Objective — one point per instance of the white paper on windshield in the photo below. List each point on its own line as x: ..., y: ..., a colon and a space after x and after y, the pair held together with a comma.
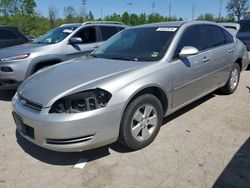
x: 167, y: 29
x: 67, y: 31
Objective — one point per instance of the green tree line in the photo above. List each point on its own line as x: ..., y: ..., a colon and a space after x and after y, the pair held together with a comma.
x: 23, y: 14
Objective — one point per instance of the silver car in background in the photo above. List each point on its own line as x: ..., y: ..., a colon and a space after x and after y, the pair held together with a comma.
x: 60, y: 44
x: 123, y: 90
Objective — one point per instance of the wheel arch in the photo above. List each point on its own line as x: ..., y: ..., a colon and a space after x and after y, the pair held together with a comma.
x: 239, y: 61
x: 157, y: 91
x: 36, y: 65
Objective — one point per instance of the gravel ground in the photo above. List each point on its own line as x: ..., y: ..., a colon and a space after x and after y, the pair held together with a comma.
x: 206, y: 144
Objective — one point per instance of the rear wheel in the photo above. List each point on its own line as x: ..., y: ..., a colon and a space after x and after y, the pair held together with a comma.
x: 233, y: 80
x: 141, y: 122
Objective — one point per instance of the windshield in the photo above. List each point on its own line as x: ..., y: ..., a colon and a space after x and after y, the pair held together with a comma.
x: 55, y: 35
x: 138, y: 44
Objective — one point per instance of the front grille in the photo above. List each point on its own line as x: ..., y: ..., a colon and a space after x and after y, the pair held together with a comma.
x: 30, y: 104
x: 69, y: 141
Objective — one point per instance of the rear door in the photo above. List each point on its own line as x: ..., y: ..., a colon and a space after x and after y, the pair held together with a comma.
x: 108, y: 31
x: 220, y: 45
x: 189, y: 73
x: 90, y: 41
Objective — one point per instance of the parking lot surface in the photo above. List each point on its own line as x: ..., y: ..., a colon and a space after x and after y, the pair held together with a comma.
x: 206, y: 144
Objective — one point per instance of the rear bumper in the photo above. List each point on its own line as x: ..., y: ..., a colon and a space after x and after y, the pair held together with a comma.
x: 69, y: 133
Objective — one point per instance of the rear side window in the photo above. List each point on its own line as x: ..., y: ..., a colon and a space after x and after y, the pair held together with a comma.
x: 192, y: 36
x: 108, y: 31
x: 228, y: 36
x: 7, y: 34
x: 213, y: 36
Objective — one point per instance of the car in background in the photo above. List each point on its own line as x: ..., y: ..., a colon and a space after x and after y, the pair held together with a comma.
x: 11, y: 36
x: 63, y: 43
x: 123, y: 89
x: 244, y: 32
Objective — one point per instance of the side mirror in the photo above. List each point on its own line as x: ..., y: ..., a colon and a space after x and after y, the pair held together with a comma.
x: 188, y: 51
x: 75, y: 40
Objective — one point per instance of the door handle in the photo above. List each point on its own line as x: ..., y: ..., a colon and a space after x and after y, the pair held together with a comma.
x: 205, y: 60
x: 96, y: 46
x: 230, y: 51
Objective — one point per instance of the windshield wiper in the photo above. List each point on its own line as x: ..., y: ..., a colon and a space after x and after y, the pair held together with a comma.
x: 124, y: 58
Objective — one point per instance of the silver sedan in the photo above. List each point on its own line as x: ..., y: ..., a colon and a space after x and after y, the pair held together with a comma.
x: 123, y: 90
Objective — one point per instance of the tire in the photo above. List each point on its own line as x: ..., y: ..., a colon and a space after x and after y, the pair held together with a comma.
x: 233, y: 81
x: 141, y: 122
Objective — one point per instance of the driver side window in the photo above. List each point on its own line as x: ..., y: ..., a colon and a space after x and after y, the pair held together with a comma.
x: 88, y: 35
x: 192, y: 36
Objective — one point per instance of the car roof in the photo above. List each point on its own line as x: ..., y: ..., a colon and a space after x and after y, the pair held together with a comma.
x: 107, y: 23
x: 175, y: 24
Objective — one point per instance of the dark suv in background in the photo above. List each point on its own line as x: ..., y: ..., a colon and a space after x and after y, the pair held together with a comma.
x: 11, y: 36
x: 244, y: 32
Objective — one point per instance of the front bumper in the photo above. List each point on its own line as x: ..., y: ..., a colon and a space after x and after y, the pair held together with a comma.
x: 69, y: 132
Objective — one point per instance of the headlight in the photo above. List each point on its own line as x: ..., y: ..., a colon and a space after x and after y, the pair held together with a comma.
x: 81, y: 102
x: 18, y: 57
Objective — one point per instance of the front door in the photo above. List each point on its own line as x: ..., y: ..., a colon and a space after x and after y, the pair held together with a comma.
x: 90, y: 41
x: 189, y: 73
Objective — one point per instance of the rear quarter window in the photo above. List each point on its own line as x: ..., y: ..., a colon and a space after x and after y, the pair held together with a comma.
x: 108, y: 31
x: 228, y: 36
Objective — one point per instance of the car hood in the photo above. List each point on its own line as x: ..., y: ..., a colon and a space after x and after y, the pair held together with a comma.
x: 21, y: 49
x: 73, y: 76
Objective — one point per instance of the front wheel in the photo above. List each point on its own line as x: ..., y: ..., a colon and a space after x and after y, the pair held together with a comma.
x: 233, y: 80
x: 141, y: 122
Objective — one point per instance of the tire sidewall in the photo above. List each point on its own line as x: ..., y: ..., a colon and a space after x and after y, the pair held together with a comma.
x: 126, y: 136
x: 235, y: 66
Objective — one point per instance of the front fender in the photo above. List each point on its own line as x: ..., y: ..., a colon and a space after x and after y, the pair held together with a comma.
x: 35, y: 61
